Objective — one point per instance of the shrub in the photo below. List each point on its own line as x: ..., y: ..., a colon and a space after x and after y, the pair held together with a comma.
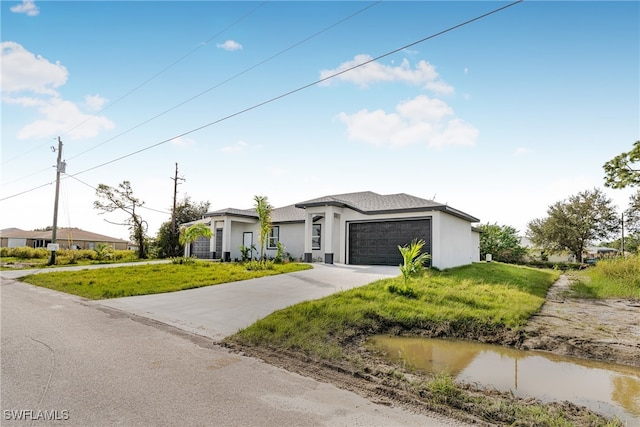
x: 184, y: 260
x: 256, y: 265
x: 280, y: 253
x: 25, y: 252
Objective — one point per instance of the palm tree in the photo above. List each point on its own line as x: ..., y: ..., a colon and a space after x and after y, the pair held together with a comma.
x: 192, y: 233
x: 413, y: 259
x: 263, y: 209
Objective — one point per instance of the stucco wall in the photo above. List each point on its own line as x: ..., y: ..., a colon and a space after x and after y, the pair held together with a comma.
x: 456, y: 243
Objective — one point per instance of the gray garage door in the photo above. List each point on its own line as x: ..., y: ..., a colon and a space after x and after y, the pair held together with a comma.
x: 376, y: 243
x: 201, y: 248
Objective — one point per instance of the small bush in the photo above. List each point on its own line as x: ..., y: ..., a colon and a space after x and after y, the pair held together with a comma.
x: 260, y: 265
x: 25, y: 252
x: 184, y: 260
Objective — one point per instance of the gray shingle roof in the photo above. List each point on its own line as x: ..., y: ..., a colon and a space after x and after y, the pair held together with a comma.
x: 366, y: 202
x: 285, y: 214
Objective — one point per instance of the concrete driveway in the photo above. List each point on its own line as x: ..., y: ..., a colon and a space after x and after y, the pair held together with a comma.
x: 221, y: 310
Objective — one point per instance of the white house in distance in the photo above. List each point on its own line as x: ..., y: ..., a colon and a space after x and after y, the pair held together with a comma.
x: 363, y: 228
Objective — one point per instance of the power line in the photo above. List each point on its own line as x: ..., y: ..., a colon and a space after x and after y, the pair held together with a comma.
x: 301, y: 88
x: 111, y: 104
x: 291, y: 92
x: 227, y: 80
x: 94, y: 188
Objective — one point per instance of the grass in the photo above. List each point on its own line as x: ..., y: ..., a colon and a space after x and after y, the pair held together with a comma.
x: 466, y: 299
x: 150, y: 279
x: 478, y: 298
x: 612, y: 278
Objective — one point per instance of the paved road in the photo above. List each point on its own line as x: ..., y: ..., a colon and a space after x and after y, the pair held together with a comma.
x: 91, y: 365
x: 219, y: 311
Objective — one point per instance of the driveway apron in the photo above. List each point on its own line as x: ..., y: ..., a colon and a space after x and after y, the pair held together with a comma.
x: 221, y: 310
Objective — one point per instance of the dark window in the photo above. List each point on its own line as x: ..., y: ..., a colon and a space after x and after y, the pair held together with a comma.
x: 315, y: 236
x: 274, y: 237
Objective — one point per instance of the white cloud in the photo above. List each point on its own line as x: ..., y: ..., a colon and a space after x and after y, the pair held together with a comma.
x: 27, y: 7
x: 37, y: 80
x: 238, y: 147
x: 59, y: 116
x: 424, y: 74
x: 23, y: 71
x: 94, y: 102
x: 420, y: 120
x: 230, y: 45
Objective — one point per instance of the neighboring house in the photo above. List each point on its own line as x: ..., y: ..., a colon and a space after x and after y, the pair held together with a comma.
x: 599, y: 252
x: 67, y: 238
x: 362, y: 228
x: 535, y: 253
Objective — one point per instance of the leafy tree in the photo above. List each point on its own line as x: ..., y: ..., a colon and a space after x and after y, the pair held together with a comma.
x: 632, y: 214
x: 574, y: 223
x: 192, y: 233
x: 624, y: 169
x: 122, y: 198
x: 167, y: 241
x: 263, y: 209
x: 502, y: 242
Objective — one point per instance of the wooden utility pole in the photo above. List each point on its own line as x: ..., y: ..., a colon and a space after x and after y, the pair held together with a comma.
x: 175, y: 179
x: 60, y: 168
x: 622, y: 241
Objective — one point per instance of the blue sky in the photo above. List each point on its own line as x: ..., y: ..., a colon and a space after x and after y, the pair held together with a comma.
x: 499, y: 118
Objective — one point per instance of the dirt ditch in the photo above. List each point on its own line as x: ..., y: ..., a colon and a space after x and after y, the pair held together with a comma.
x: 606, y: 330
x: 603, y: 330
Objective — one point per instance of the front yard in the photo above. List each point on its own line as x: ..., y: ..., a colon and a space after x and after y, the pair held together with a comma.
x: 151, y: 279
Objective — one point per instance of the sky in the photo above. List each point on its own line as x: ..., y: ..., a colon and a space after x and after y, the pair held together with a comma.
x: 500, y: 117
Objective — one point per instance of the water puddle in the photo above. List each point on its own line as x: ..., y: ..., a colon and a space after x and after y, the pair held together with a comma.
x: 609, y: 389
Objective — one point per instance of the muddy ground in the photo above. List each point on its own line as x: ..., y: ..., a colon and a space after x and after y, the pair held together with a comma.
x: 607, y: 330
x: 604, y: 330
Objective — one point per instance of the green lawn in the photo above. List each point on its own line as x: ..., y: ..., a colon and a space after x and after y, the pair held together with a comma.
x: 487, y: 296
x: 151, y: 279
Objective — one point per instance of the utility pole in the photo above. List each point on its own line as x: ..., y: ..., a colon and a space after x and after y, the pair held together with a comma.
x: 175, y: 179
x: 60, y: 168
x: 622, y: 241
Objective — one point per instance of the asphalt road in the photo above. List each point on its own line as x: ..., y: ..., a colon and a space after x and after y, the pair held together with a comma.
x: 83, y: 364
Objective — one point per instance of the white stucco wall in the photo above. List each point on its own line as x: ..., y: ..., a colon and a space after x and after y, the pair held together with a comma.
x: 455, y: 241
x: 475, y: 246
x: 452, y: 242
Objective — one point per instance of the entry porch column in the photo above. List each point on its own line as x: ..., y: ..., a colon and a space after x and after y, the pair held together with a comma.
x: 308, y: 228
x: 226, y: 240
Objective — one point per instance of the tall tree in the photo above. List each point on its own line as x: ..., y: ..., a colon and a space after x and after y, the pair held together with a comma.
x: 632, y: 214
x: 121, y: 198
x: 263, y: 209
x: 624, y: 169
x: 167, y: 242
x: 574, y: 223
x: 502, y: 242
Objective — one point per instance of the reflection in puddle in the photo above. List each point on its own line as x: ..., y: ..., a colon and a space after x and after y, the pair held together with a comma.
x: 613, y: 390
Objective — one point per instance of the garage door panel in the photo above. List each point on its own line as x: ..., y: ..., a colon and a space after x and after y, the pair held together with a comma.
x: 376, y: 242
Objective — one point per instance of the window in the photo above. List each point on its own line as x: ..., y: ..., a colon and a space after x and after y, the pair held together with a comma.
x: 274, y: 237
x: 315, y: 236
